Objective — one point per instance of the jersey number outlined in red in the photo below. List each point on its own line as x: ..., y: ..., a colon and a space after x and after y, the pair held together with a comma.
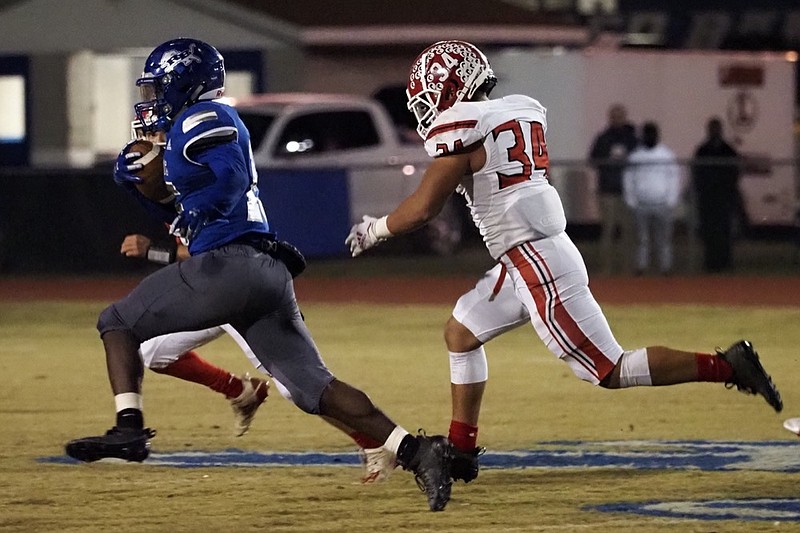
x: 519, y: 151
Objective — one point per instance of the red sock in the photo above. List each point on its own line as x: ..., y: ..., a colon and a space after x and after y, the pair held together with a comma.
x: 463, y: 436
x: 363, y: 441
x: 192, y: 367
x: 713, y: 368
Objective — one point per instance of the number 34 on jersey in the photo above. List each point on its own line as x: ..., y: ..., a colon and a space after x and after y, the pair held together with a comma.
x: 515, y: 146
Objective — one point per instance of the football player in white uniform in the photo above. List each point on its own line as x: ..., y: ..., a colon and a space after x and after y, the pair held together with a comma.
x: 494, y: 152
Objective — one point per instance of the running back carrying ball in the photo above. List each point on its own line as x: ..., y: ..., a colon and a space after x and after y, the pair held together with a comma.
x: 152, y: 171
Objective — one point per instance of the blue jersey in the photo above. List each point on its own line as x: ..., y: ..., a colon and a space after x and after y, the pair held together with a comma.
x: 209, y: 163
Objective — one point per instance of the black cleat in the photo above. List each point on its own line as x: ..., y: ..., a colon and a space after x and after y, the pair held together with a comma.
x: 748, y: 374
x: 127, y: 444
x: 465, y: 464
x: 431, y: 467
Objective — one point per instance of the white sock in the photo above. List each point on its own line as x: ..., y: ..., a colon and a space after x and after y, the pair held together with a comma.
x: 395, y: 438
x: 128, y: 400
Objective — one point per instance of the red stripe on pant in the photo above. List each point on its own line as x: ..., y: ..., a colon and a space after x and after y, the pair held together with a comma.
x: 545, y: 294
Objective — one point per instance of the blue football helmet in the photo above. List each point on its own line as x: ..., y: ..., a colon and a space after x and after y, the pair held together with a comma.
x: 176, y: 74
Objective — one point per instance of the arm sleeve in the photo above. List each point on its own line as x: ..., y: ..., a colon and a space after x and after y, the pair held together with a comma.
x: 227, y: 162
x: 212, y: 141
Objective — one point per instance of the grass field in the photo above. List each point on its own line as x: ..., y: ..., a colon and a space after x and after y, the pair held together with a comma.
x: 55, y: 388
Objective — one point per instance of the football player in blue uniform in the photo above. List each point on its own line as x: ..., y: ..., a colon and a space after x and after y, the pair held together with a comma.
x: 238, y: 273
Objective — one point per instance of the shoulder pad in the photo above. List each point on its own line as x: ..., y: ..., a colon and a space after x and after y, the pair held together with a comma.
x: 202, y: 117
x: 525, y: 100
x: 206, y: 124
x: 453, y: 130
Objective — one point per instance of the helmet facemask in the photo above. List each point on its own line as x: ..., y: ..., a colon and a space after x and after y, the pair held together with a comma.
x: 138, y: 134
x: 424, y: 105
x: 153, y: 111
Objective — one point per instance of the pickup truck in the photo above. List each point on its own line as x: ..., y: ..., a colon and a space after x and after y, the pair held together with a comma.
x: 308, y: 131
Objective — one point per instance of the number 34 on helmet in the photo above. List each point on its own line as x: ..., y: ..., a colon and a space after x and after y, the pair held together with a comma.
x: 444, y: 74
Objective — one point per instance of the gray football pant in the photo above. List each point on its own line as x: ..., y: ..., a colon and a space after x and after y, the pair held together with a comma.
x: 238, y: 285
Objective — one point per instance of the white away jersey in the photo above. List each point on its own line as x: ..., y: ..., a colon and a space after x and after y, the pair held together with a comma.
x: 510, y: 198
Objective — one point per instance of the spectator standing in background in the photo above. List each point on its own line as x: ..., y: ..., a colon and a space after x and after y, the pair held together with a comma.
x: 609, y: 151
x: 715, y: 176
x: 652, y: 185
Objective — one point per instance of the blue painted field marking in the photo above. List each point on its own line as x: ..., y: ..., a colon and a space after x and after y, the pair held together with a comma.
x: 767, y: 509
x: 776, y: 456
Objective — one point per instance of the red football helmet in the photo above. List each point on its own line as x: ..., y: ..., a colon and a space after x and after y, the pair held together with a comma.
x: 444, y: 74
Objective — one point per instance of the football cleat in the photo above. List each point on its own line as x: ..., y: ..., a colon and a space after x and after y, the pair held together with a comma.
x: 254, y: 393
x: 118, y: 443
x: 465, y: 465
x: 793, y: 425
x: 431, y: 467
x: 378, y: 464
x: 748, y: 374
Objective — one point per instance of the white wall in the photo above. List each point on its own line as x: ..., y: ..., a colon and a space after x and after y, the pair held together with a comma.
x: 112, y: 98
x: 12, y: 108
x: 238, y: 84
x: 680, y: 92
x: 80, y: 100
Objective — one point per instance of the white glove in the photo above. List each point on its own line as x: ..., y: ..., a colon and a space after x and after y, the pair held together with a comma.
x: 366, y: 234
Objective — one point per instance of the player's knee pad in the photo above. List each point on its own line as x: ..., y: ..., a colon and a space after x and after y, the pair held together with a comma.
x: 634, y: 369
x: 469, y: 367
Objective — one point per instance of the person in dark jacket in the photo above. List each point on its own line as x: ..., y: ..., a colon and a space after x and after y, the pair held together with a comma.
x: 609, y: 151
x: 715, y: 176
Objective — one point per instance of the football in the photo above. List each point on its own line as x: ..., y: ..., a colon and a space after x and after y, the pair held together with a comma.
x: 152, y: 172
